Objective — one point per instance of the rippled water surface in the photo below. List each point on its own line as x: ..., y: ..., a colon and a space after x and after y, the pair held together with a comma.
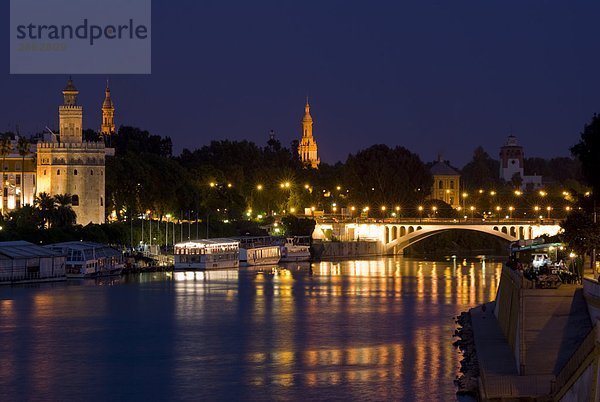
x: 354, y: 330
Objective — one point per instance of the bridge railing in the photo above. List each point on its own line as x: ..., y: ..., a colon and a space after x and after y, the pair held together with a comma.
x: 433, y: 221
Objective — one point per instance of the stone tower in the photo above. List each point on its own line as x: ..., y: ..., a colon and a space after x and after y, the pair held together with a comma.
x: 70, y: 115
x: 108, y: 114
x: 72, y: 166
x: 307, y: 149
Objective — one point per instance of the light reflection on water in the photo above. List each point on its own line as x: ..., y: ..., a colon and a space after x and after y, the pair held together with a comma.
x: 369, y: 330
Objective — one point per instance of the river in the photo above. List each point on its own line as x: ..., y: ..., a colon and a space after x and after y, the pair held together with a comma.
x: 377, y: 329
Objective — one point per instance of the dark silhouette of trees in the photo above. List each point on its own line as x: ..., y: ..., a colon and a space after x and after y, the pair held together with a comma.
x: 481, y: 172
x: 380, y: 175
x: 587, y: 151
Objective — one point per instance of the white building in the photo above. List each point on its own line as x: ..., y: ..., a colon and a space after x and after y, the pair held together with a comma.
x: 511, y: 164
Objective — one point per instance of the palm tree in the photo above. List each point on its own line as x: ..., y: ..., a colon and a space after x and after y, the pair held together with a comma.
x: 23, y: 149
x: 5, y: 148
x: 45, y: 206
x: 65, y: 216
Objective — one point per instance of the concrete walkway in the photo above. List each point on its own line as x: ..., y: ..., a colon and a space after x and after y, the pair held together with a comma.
x: 499, y: 377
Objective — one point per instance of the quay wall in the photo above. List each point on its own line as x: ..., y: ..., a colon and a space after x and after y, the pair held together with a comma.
x: 507, y: 309
x: 346, y: 249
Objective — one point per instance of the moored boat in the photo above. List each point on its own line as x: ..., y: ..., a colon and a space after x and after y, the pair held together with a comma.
x: 207, y: 254
x: 296, y: 249
x: 259, y: 251
x: 89, y: 260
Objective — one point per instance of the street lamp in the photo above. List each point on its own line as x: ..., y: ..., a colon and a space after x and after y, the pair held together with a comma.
x: 472, y: 208
x: 548, y: 209
x: 464, y: 197
x: 511, y: 209
x: 420, y: 213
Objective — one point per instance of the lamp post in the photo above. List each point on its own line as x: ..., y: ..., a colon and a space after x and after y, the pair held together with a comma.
x: 420, y: 213
x: 511, y: 209
x: 167, y: 217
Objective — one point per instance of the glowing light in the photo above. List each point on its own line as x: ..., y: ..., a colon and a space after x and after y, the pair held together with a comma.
x: 492, y: 193
x: 397, y: 208
x: 420, y: 208
x: 292, y: 210
x: 259, y: 187
x: 212, y: 184
x: 518, y: 193
x: 383, y: 208
x: 542, y: 193
x: 338, y: 188
x: 229, y: 185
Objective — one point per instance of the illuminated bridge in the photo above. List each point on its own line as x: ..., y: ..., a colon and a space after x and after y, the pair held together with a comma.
x: 397, y: 234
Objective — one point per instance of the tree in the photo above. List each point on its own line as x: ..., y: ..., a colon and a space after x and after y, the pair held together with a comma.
x: 64, y: 214
x: 380, y: 175
x: 587, y: 151
x: 581, y: 233
x: 516, y: 180
x: 44, y: 204
x: 482, y: 171
x: 24, y: 150
x: 5, y: 149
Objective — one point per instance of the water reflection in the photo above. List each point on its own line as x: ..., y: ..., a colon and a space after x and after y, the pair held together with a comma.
x: 365, y: 329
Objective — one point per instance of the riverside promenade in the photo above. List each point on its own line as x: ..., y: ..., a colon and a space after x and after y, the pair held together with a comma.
x: 537, y: 344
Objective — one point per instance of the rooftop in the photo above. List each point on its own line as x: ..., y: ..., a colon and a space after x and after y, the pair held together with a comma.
x: 24, y: 249
x: 441, y: 168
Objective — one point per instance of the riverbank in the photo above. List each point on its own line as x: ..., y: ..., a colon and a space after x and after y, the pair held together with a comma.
x: 531, y: 343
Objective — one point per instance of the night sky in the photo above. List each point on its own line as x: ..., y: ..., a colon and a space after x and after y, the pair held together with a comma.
x: 435, y: 77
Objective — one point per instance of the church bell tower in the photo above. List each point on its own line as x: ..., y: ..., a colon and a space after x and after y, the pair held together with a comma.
x: 307, y: 149
x: 108, y: 114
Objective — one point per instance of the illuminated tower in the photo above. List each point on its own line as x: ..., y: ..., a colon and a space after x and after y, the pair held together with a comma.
x: 108, y: 114
x: 73, y: 166
x: 70, y: 115
x: 307, y: 149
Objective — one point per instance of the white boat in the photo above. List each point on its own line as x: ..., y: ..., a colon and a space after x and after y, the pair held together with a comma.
x: 89, y: 260
x: 258, y: 251
x: 295, y: 249
x: 207, y: 254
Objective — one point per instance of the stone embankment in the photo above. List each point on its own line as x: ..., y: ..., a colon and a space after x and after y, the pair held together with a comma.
x: 467, y: 382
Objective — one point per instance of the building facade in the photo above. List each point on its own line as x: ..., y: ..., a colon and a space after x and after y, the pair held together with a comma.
x: 19, y: 177
x: 307, y: 149
x: 446, y: 184
x: 69, y: 165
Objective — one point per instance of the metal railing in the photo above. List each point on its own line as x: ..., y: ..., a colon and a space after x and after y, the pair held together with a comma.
x: 420, y: 220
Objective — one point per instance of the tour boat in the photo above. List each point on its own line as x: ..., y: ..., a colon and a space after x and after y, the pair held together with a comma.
x: 296, y: 249
x: 258, y: 251
x: 207, y: 254
x: 89, y: 260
